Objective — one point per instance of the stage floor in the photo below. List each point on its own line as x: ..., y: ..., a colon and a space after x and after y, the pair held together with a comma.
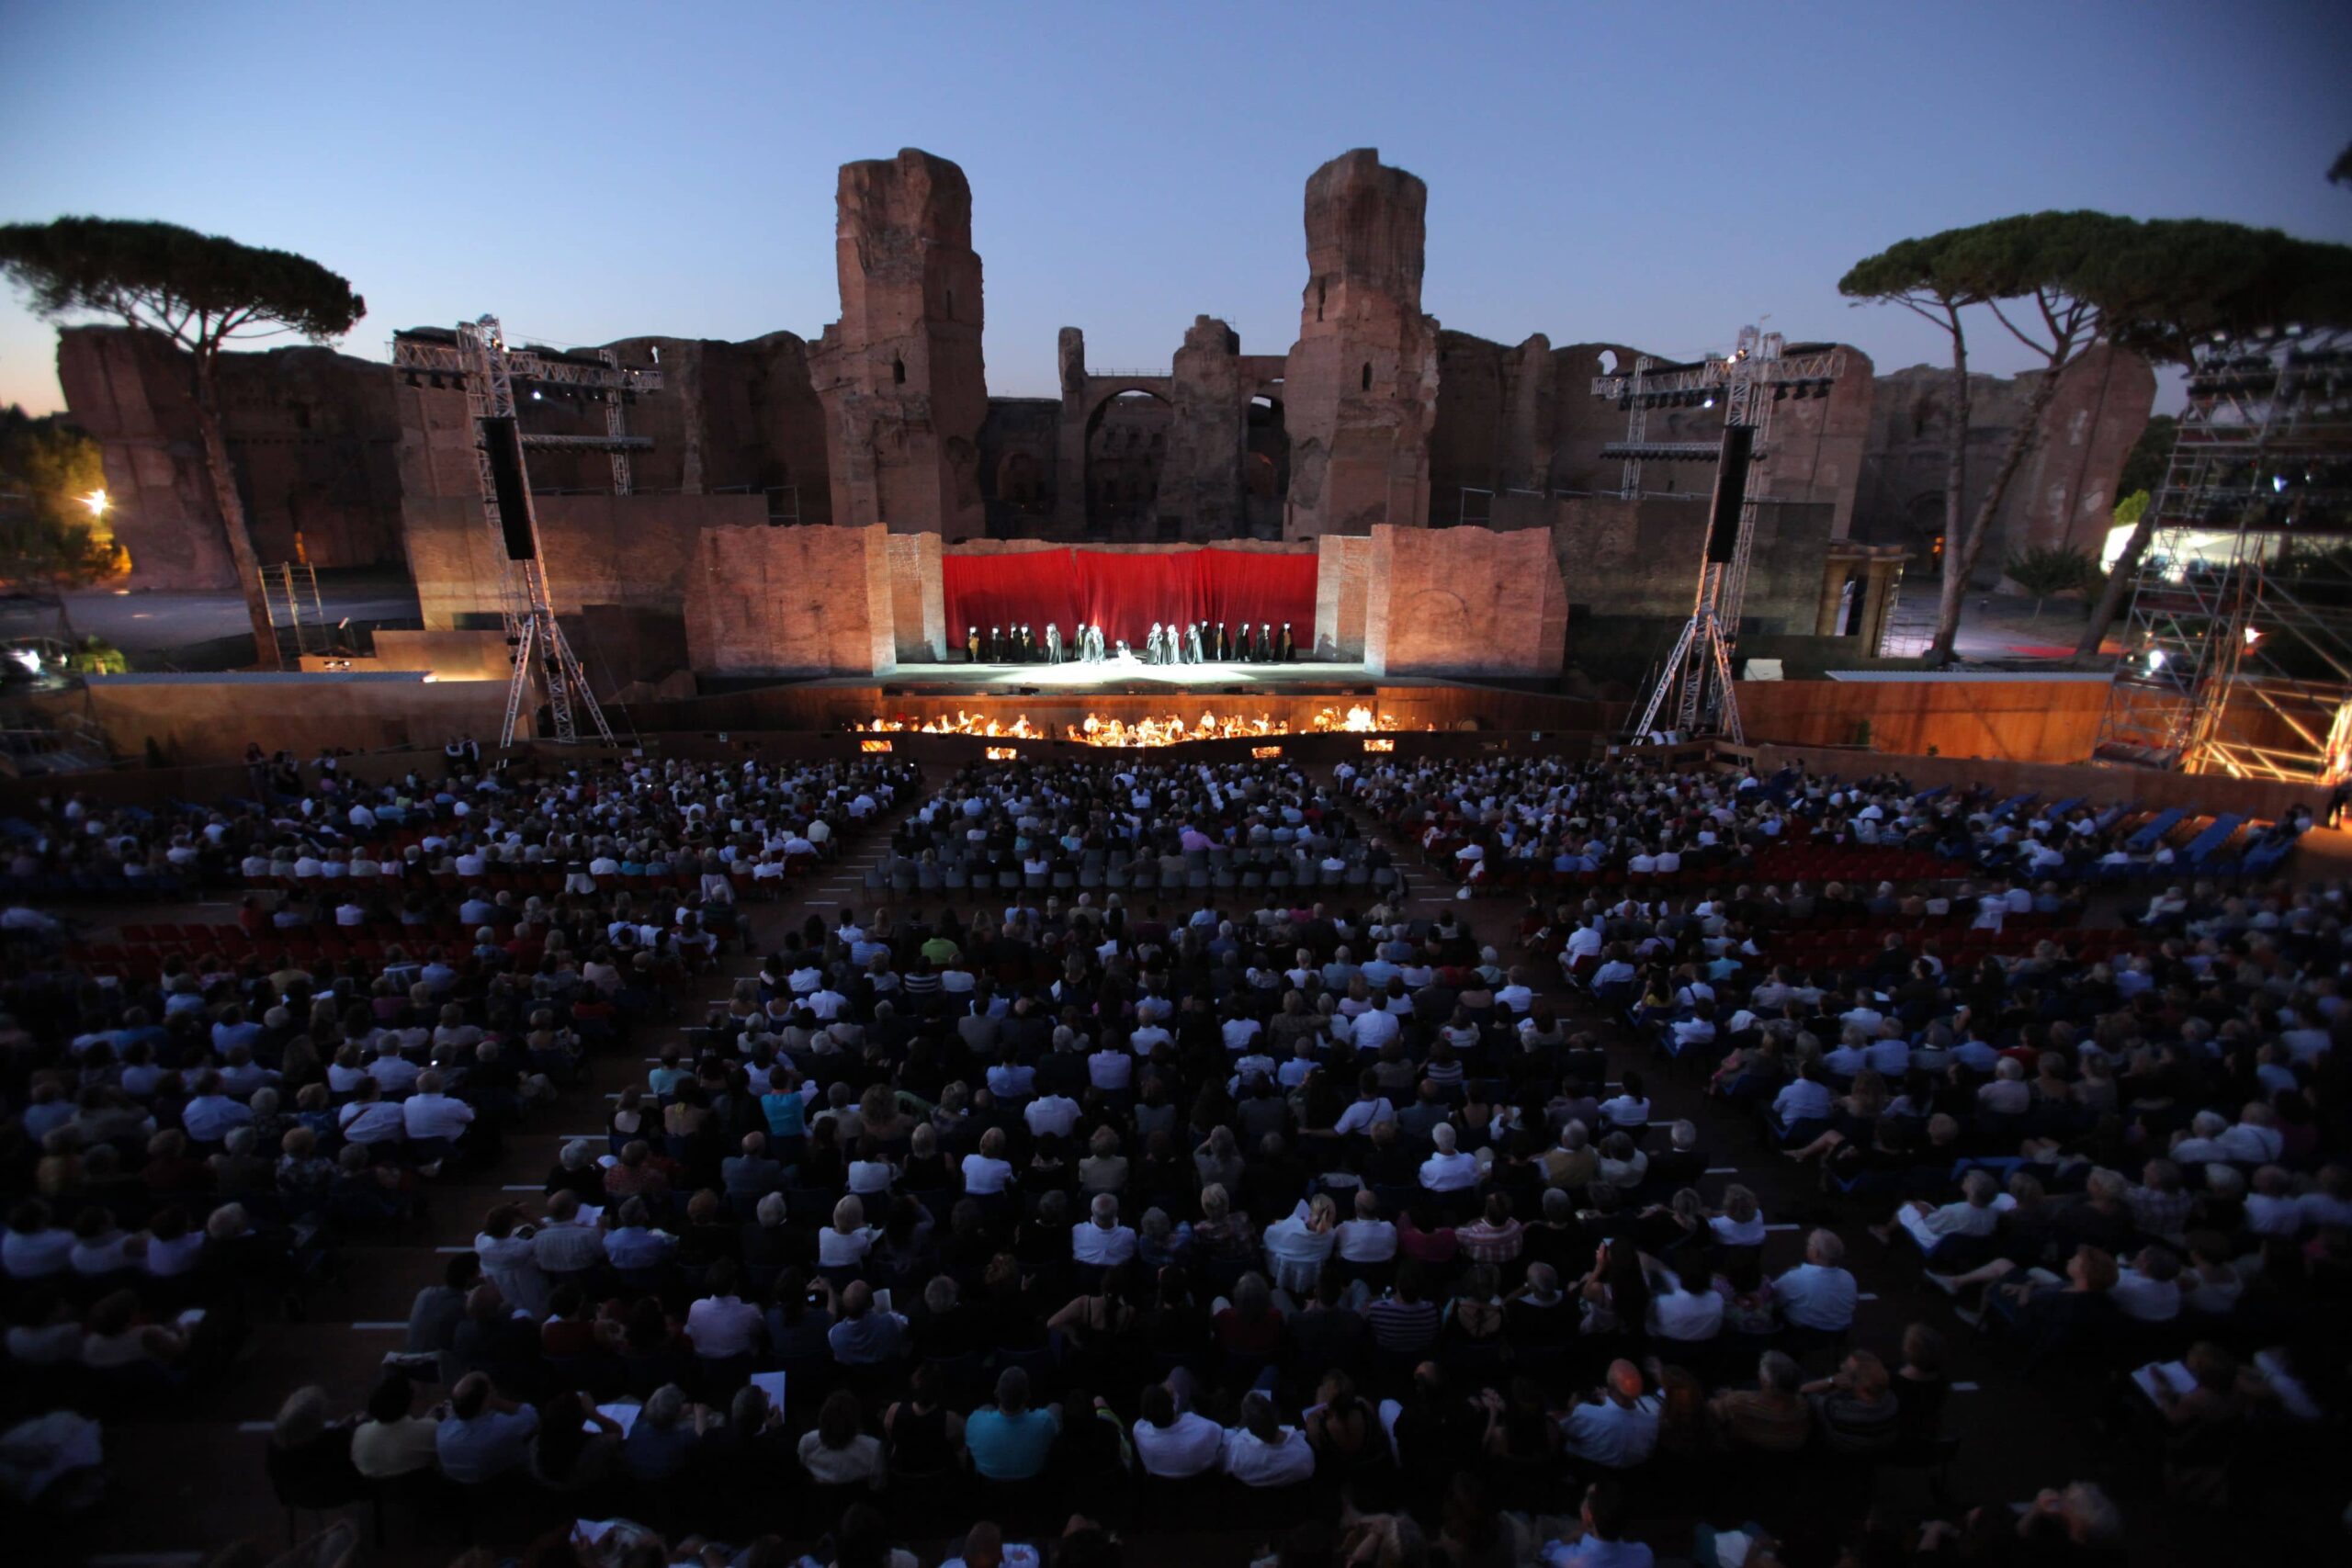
x: 996, y: 680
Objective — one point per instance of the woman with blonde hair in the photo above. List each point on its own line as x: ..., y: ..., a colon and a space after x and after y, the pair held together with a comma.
x: 1104, y: 1168
x: 845, y: 1242
x: 1299, y: 1245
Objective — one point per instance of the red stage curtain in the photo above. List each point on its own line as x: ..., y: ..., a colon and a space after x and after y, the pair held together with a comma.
x: 1126, y: 593
x: 1234, y: 586
x: 1031, y: 587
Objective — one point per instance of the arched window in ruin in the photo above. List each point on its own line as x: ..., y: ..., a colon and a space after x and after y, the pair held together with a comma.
x: 898, y: 371
x: 951, y: 304
x: 1322, y: 288
x: 1367, y: 375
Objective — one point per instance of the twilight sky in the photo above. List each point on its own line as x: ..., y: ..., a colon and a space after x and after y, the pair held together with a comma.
x: 1655, y: 173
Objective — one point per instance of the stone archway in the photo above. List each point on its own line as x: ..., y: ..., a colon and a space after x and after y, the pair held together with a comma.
x: 1265, y: 464
x: 1127, y: 445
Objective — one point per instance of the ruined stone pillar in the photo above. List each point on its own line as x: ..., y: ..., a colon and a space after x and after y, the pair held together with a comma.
x: 1208, y: 432
x: 1527, y: 416
x: 1070, y: 435
x: 900, y: 374
x: 1360, y: 390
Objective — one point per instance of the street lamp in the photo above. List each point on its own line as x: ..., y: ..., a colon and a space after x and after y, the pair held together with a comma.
x: 98, y: 501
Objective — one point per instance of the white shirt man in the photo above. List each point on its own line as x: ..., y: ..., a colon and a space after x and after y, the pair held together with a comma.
x: 1374, y: 1029
x: 429, y: 1113
x: 1253, y: 1462
x: 722, y: 1327
x: 1055, y: 1113
x: 1110, y: 1069
x: 984, y: 1175
x: 1362, y: 1113
x: 1801, y: 1100
x: 1449, y: 1169
x: 1191, y: 1445
x: 209, y: 1118
x: 373, y: 1122
x: 1686, y: 1315
x: 567, y: 1246
x: 1102, y: 1240
x: 1817, y: 1293
x: 1367, y: 1238
x: 1625, y: 1111
x: 1615, y: 1433
x: 2251, y: 1144
x: 394, y: 1073
x: 2142, y: 1296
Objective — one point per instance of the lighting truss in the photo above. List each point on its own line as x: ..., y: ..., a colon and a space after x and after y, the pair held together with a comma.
x: 1696, y: 678
x: 2237, y: 648
x: 475, y: 359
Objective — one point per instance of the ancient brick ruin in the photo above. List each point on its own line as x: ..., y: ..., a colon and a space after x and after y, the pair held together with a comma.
x: 1375, y: 418
x: 899, y: 374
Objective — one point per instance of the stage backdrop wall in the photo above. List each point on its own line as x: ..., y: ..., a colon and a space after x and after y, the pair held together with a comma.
x: 1125, y: 593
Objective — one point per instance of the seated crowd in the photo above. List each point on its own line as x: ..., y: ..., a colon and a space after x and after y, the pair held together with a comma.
x: 1314, y: 1211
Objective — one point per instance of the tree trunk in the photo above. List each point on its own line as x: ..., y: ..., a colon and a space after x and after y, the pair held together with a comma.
x: 233, y: 515
x: 1955, y: 480
x: 2119, y: 581
x: 1961, y: 569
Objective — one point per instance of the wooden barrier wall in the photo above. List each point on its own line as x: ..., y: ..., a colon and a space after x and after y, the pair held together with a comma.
x: 2017, y: 721
x: 2141, y: 788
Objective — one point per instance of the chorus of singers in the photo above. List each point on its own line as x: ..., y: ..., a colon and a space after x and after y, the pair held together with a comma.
x: 1199, y: 643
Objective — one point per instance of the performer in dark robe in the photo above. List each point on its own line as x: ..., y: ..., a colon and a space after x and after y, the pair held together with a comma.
x: 1224, y: 647
x: 972, y: 645
x: 996, y: 645
x: 1094, y: 639
x: 1193, y: 642
x: 1053, y: 643
x: 1247, y: 653
x: 1289, y: 646
x: 1266, y: 643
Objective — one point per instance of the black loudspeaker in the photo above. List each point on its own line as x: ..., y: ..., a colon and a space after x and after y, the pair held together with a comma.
x: 1731, y: 484
x: 503, y: 442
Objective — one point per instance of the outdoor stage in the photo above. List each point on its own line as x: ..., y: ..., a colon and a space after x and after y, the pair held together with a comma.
x: 1134, y: 676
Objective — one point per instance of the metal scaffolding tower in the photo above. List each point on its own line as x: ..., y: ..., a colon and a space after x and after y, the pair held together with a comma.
x: 1696, y: 680
x: 2237, y: 648
x: 476, y: 359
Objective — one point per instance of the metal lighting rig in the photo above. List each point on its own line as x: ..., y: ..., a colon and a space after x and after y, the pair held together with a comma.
x: 2237, y: 648
x: 476, y: 360
x: 1697, y: 676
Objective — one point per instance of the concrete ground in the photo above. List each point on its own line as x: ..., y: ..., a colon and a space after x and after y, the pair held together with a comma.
x: 212, y: 630
x: 1992, y: 625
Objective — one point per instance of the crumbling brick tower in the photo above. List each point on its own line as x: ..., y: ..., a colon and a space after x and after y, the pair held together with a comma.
x: 1360, y: 393
x: 900, y: 374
